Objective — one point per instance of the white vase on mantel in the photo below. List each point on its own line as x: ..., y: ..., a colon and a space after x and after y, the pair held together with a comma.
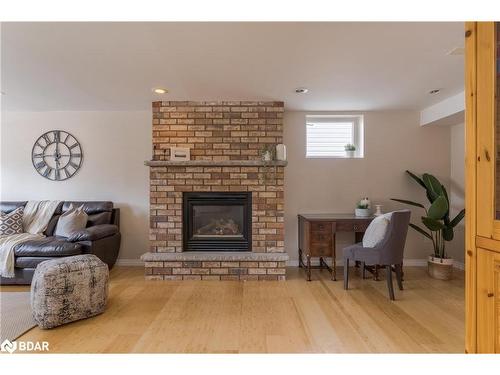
x: 267, y: 156
x: 281, y: 152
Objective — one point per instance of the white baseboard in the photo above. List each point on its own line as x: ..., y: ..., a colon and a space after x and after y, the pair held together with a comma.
x: 295, y: 263
x: 130, y: 262
x: 406, y: 262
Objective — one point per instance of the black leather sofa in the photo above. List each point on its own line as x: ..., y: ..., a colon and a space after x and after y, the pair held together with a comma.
x: 101, y: 237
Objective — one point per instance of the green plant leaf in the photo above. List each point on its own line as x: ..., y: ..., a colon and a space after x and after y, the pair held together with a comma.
x: 416, y: 178
x: 448, y: 233
x: 420, y: 230
x: 457, y: 219
x: 438, y: 208
x: 408, y: 202
x: 432, y: 224
x: 446, y: 217
x: 432, y: 185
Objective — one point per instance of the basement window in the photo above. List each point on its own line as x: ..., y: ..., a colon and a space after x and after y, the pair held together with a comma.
x: 327, y: 136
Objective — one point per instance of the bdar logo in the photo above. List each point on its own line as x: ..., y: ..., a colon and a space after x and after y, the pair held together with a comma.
x: 8, y: 346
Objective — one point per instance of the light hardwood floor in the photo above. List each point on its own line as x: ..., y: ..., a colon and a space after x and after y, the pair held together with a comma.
x: 292, y: 316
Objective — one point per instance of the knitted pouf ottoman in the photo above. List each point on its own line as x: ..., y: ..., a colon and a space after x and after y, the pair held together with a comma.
x: 68, y: 289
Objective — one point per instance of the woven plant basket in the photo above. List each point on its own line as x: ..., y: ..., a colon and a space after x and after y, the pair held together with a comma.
x: 440, y: 269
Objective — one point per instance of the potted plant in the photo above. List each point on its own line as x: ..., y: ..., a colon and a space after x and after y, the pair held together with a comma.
x: 350, y: 150
x: 437, y: 223
x: 363, y: 208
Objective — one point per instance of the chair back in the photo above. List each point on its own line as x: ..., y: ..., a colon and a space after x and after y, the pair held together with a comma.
x: 393, y: 244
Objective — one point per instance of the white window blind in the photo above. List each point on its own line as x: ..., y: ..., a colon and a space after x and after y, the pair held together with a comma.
x: 327, y: 136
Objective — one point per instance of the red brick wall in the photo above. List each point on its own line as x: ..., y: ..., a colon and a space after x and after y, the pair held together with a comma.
x: 216, y: 131
x: 225, y: 130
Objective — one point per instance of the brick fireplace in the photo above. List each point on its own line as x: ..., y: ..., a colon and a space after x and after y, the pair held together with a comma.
x: 225, y: 139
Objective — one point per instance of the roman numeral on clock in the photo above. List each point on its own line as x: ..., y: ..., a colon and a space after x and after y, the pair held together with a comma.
x: 46, y: 138
x: 40, y: 165
x: 47, y: 172
x: 73, y: 165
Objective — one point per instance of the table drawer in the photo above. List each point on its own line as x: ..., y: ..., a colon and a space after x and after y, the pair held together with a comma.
x: 321, y: 237
x: 320, y: 226
x: 352, y: 226
x: 321, y: 249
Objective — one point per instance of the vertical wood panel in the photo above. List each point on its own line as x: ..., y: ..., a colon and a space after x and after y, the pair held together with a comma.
x: 487, y: 293
x: 470, y: 187
x: 485, y: 128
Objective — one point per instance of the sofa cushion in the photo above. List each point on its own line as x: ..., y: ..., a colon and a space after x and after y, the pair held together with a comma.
x: 7, y: 207
x: 99, y: 219
x: 90, y: 208
x: 47, y: 247
x: 30, y: 262
x: 94, y: 233
x: 51, y: 226
x: 71, y: 221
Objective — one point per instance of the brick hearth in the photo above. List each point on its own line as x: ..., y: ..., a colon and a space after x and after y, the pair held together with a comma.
x: 225, y: 139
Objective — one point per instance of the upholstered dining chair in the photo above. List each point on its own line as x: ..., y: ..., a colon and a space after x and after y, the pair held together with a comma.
x: 388, y: 253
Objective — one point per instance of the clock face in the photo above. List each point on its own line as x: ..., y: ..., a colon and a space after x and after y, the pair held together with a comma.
x: 57, y: 155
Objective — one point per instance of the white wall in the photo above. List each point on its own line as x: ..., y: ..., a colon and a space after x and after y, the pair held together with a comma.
x: 456, y: 249
x: 394, y: 142
x: 115, y: 146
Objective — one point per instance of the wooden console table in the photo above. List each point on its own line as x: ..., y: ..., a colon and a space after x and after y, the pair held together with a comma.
x: 317, y: 237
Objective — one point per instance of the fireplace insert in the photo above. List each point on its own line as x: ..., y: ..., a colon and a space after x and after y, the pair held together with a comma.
x: 217, y: 221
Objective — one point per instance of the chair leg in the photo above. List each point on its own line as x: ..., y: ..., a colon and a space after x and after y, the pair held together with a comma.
x: 389, y: 282
x: 346, y: 274
x: 308, y: 267
x: 363, y: 270
x: 399, y: 275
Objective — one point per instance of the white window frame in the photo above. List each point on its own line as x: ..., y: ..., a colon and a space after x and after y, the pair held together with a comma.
x: 357, y: 128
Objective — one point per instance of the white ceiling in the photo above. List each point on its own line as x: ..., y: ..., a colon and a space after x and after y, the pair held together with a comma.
x: 114, y: 66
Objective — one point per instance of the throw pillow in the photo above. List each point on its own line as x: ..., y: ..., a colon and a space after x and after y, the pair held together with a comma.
x: 375, y: 232
x: 71, y: 221
x: 11, y: 223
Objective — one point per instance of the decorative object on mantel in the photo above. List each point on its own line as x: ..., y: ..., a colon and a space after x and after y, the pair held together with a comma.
x: 57, y: 155
x: 214, y: 163
x: 268, y: 152
x: 363, y: 208
x: 180, y: 153
x: 437, y: 221
x: 378, y: 210
x: 281, y: 152
x: 350, y: 150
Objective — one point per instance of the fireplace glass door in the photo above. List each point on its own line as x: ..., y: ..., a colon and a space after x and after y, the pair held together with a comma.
x: 220, y: 221
x: 217, y: 221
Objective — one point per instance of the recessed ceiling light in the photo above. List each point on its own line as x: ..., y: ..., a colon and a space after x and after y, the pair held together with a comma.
x: 301, y: 90
x: 434, y: 92
x: 160, y: 90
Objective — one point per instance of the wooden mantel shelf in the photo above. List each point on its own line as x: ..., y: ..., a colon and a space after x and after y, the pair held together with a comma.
x: 215, y: 163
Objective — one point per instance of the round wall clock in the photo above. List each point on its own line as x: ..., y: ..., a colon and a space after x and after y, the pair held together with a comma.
x: 57, y: 155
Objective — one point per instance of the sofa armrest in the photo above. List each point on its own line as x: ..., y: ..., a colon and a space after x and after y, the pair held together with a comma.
x: 93, y: 233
